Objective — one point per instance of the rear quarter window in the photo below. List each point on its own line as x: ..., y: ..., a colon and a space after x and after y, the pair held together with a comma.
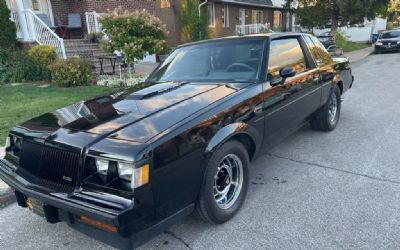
x: 318, y: 51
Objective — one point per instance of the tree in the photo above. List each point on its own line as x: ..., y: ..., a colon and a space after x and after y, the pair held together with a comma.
x: 8, y: 37
x: 134, y: 34
x: 394, y: 13
x: 314, y: 13
x: 194, y: 28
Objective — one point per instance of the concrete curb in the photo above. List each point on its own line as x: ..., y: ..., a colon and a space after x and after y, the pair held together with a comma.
x: 359, y: 55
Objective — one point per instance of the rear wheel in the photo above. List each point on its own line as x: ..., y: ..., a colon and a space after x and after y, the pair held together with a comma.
x: 328, y: 116
x: 225, y: 184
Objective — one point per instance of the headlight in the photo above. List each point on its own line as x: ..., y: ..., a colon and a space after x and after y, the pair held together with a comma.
x: 13, y: 145
x: 102, y: 166
x: 8, y: 142
x: 126, y: 171
x: 379, y: 43
x: 398, y: 42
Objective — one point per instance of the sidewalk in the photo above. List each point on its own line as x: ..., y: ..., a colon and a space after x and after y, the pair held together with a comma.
x: 359, y: 55
x: 6, y: 193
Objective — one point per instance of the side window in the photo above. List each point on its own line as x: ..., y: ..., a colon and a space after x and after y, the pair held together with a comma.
x: 320, y: 54
x: 285, y: 53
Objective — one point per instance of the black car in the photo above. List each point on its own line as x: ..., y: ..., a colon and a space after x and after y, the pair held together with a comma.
x: 125, y: 166
x: 388, y: 41
x: 327, y: 40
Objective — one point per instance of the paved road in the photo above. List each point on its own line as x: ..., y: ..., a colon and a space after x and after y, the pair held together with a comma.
x: 314, y: 191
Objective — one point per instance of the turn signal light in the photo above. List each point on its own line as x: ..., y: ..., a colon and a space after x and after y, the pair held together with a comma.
x: 140, y: 176
x: 99, y: 224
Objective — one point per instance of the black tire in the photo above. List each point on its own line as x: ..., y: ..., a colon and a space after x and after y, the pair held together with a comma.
x: 207, y: 208
x: 323, y: 120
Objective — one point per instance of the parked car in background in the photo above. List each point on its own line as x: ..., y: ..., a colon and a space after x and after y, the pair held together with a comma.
x: 124, y: 167
x: 388, y: 41
x: 327, y: 40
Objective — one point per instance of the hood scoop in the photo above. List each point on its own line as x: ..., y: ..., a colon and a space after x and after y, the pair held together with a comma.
x: 155, y: 90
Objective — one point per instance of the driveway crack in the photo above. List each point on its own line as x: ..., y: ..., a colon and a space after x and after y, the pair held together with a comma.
x: 173, y: 235
x: 334, y: 169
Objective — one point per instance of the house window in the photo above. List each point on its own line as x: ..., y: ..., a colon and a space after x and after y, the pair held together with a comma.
x: 211, y: 15
x: 277, y: 20
x: 257, y: 16
x: 35, y: 5
x: 225, y: 16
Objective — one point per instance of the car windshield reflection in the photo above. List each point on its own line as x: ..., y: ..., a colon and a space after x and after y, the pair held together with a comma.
x: 235, y: 60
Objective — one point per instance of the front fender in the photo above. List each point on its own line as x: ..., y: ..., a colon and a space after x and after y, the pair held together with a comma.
x: 231, y: 130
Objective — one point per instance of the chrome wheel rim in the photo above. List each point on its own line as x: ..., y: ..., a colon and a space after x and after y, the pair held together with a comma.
x: 333, y: 107
x: 228, y: 181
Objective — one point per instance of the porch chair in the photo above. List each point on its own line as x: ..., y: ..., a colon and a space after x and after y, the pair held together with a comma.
x: 75, y: 24
x: 45, y: 18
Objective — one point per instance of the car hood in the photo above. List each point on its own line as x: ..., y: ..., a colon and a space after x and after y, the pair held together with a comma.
x: 136, y: 114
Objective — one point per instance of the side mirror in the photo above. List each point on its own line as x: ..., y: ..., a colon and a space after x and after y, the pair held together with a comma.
x: 287, y: 72
x: 283, y: 73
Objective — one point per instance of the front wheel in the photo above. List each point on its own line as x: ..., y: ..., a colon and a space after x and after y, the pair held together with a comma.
x: 328, y: 116
x: 225, y: 184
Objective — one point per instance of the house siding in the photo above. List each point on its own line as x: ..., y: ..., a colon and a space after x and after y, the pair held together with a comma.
x: 167, y: 11
x: 62, y: 8
x: 220, y: 31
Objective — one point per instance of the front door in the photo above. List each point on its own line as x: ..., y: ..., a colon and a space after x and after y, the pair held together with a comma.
x: 288, y: 105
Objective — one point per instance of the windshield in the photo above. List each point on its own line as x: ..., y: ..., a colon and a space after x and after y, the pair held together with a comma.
x: 391, y: 34
x: 228, y: 60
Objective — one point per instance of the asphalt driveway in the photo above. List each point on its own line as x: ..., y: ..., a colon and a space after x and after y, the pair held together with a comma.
x: 314, y: 191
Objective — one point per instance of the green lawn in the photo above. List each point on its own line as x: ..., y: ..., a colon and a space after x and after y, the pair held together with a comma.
x: 352, y: 46
x: 22, y: 102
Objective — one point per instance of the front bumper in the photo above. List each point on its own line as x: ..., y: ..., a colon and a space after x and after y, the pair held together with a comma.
x: 384, y: 48
x: 133, y: 230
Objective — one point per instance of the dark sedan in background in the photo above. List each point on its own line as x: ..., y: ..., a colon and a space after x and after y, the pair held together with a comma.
x: 388, y: 41
x: 125, y: 166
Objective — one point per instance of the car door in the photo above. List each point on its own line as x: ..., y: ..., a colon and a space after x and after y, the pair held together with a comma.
x: 289, y: 104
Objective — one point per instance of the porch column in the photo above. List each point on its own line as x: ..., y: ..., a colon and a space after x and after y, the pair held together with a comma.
x: 22, y: 20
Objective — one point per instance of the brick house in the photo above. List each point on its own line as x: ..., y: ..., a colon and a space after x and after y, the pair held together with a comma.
x: 38, y: 20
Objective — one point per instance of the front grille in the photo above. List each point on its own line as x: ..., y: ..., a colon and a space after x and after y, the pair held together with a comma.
x: 392, y: 43
x: 49, y: 167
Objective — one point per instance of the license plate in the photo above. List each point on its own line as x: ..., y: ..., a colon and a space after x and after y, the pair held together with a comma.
x: 36, y: 206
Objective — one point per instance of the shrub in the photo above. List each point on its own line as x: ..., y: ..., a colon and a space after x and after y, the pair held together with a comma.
x: 340, y: 40
x: 43, y: 55
x: 8, y: 37
x: 134, y: 33
x: 17, y: 66
x: 71, y: 72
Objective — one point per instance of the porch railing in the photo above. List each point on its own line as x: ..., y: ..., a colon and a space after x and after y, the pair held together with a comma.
x: 38, y: 31
x: 251, y: 29
x: 92, y: 22
x: 15, y: 19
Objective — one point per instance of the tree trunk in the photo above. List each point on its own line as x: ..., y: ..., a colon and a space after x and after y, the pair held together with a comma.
x: 335, y: 21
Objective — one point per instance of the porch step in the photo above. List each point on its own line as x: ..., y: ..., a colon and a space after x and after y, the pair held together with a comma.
x: 88, y: 51
x: 72, y: 42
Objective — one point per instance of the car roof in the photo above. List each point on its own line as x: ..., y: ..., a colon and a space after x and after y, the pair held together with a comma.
x: 273, y: 35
